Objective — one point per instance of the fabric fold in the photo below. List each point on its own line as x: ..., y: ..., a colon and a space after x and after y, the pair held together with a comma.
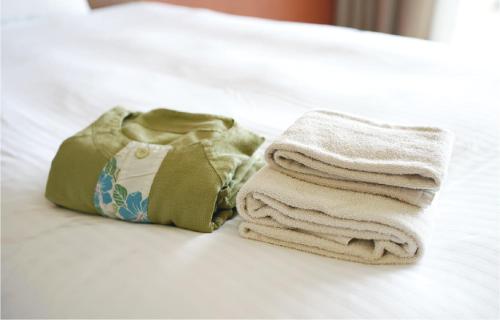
x: 341, y: 151
x: 343, y: 224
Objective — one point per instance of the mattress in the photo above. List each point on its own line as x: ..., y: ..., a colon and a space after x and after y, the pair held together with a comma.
x: 60, y: 73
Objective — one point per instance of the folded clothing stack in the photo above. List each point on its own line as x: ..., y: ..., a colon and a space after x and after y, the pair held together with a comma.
x: 348, y: 188
x: 161, y: 166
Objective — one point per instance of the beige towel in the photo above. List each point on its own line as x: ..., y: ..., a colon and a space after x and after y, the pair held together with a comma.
x: 337, y: 223
x: 342, y: 151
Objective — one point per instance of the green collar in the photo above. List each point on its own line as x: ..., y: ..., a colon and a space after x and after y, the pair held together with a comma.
x: 117, y: 127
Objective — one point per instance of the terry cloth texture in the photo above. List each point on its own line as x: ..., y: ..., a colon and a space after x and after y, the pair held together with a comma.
x: 163, y: 166
x: 343, y: 224
x: 346, y: 152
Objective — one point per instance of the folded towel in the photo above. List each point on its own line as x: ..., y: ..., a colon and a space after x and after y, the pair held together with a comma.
x: 342, y: 151
x: 337, y: 223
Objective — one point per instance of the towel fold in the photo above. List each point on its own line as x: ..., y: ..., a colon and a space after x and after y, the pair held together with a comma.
x: 337, y: 223
x: 346, y: 152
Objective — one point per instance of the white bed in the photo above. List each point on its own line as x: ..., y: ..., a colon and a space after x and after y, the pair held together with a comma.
x: 61, y: 73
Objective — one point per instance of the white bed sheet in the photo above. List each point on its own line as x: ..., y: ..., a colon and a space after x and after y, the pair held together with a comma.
x: 59, y: 74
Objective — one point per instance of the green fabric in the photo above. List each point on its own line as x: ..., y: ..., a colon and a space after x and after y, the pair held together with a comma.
x: 196, y: 184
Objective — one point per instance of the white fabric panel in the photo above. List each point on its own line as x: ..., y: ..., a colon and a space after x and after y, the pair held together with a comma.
x: 134, y: 169
x: 60, y: 74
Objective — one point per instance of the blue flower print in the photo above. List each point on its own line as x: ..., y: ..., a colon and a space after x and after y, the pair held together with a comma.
x: 112, y: 199
x: 97, y: 203
x: 104, y: 187
x: 106, y: 198
x: 136, y: 209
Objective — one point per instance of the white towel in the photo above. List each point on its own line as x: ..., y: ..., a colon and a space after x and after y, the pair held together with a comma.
x: 346, y: 152
x: 337, y: 223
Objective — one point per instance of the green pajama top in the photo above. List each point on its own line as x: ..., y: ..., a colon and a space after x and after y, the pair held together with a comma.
x: 163, y: 166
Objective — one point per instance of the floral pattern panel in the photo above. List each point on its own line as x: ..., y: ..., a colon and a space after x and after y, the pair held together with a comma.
x: 123, y: 187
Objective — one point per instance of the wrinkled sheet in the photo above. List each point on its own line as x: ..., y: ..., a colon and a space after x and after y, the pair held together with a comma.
x: 60, y: 74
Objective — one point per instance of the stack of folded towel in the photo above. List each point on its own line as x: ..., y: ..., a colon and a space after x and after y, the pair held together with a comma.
x: 348, y: 188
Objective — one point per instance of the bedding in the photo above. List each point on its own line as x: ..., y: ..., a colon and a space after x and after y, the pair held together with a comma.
x: 61, y: 73
x: 342, y: 151
x: 20, y: 11
x: 161, y: 166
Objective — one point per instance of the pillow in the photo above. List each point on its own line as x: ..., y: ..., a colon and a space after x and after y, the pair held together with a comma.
x: 22, y: 10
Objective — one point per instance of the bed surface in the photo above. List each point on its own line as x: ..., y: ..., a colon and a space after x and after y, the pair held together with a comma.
x: 60, y: 74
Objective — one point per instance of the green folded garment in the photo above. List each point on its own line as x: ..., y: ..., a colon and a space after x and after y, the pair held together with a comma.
x: 163, y: 166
